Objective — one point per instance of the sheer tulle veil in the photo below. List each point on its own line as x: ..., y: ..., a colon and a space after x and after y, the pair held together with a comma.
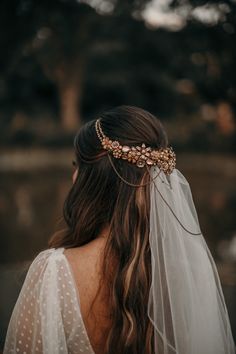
x: 186, y: 304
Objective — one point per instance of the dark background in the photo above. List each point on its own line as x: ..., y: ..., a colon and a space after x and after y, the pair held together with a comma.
x: 64, y: 61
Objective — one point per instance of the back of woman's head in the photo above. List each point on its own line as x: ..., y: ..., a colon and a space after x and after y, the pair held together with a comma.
x: 100, y: 198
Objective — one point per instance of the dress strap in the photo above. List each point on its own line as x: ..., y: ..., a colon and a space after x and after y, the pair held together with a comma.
x: 59, y: 250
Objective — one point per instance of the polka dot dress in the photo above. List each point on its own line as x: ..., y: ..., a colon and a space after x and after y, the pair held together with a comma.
x: 46, y: 317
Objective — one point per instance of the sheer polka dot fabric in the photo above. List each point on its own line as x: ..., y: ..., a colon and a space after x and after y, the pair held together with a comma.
x: 46, y: 317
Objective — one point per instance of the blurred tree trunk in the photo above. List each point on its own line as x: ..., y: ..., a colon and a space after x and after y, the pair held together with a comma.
x: 69, y: 80
x: 70, y: 98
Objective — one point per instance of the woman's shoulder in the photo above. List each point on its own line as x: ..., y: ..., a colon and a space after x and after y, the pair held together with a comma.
x: 88, y: 254
x: 45, y: 267
x: 42, y: 260
x: 78, y: 267
x: 44, y: 255
x: 85, y: 259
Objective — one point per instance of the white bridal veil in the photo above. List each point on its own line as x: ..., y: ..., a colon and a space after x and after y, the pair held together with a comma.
x: 186, y: 304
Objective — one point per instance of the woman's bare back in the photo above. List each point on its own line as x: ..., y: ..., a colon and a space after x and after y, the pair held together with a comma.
x: 86, y: 262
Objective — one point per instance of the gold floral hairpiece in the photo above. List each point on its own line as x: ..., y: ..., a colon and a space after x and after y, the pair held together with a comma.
x: 141, y: 156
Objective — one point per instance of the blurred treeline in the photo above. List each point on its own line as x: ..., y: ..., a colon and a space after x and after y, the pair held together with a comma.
x: 64, y: 61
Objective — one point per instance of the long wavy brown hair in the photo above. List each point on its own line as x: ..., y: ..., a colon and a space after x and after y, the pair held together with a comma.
x: 99, y: 198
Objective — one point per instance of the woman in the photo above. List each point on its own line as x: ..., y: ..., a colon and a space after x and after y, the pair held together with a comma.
x: 131, y: 274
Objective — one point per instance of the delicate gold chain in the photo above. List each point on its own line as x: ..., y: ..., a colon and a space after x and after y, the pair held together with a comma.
x: 130, y: 184
x: 172, y: 211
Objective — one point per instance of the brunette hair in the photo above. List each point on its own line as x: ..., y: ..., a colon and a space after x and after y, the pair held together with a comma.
x: 98, y: 198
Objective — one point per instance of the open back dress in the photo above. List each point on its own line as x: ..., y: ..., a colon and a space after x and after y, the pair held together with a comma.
x: 47, y: 315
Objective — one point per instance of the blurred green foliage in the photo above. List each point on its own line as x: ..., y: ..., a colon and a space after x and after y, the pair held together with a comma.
x: 63, y: 61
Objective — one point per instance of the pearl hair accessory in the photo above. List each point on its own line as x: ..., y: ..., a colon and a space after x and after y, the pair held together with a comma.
x: 141, y: 156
